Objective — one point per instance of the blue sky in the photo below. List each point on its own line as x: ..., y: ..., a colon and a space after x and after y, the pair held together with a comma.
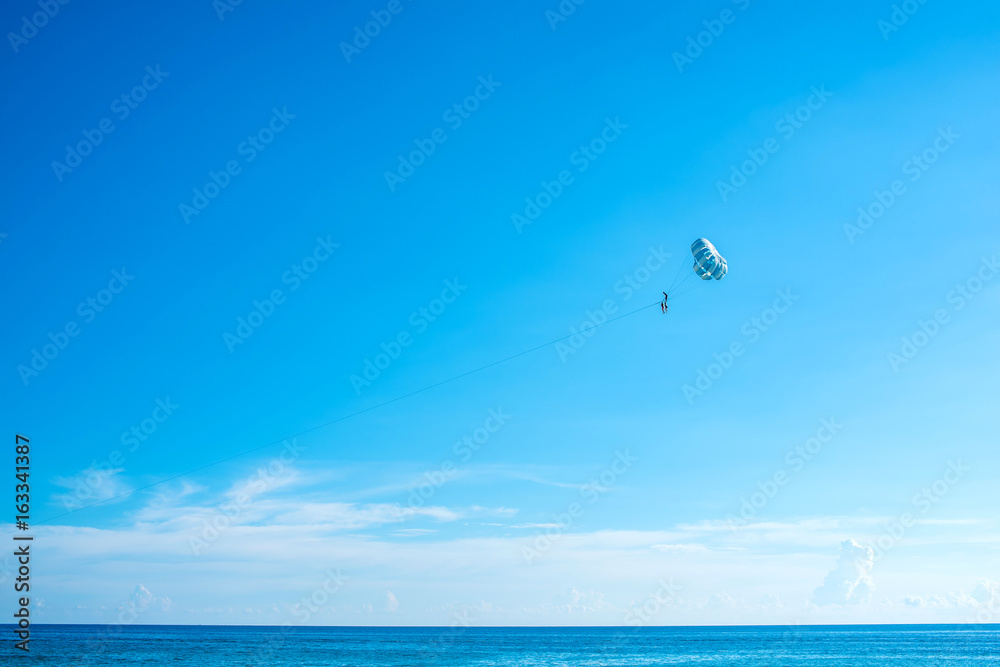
x: 597, y: 475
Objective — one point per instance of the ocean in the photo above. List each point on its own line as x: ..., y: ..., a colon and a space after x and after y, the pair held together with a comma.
x: 208, y: 646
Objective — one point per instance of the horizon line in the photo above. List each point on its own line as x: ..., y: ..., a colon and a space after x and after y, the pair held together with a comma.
x: 500, y: 627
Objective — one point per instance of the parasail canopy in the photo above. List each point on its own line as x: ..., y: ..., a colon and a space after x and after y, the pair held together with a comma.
x: 708, y: 263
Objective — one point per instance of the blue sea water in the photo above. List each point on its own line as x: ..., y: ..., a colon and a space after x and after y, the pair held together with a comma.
x: 207, y: 646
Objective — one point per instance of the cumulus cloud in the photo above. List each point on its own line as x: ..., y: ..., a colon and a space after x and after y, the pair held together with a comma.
x: 933, y: 602
x: 962, y: 599
x: 850, y: 581
x: 986, y: 591
x: 140, y: 600
x: 575, y: 601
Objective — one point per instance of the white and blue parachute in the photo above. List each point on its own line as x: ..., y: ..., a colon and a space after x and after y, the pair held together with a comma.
x: 708, y: 263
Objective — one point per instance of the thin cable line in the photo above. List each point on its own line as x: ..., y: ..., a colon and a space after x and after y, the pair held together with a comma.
x: 676, y: 276
x: 688, y: 288
x: 338, y: 419
x: 686, y: 278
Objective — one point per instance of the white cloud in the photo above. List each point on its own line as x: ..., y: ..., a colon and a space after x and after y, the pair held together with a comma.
x: 575, y: 601
x: 350, y: 516
x: 849, y: 582
x: 951, y: 522
x: 284, y: 563
x: 722, y: 600
x: 287, y: 535
x: 986, y: 591
x: 494, y: 511
x: 89, y: 486
x: 262, y: 482
x: 962, y: 599
x: 686, y: 548
x: 772, y: 601
x: 141, y: 600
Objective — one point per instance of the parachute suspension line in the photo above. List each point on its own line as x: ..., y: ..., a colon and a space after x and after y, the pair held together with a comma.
x: 687, y: 290
x: 686, y: 278
x: 676, y: 276
x: 343, y: 418
x: 684, y: 290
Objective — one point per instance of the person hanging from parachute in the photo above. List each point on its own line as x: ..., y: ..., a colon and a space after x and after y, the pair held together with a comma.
x: 663, y: 304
